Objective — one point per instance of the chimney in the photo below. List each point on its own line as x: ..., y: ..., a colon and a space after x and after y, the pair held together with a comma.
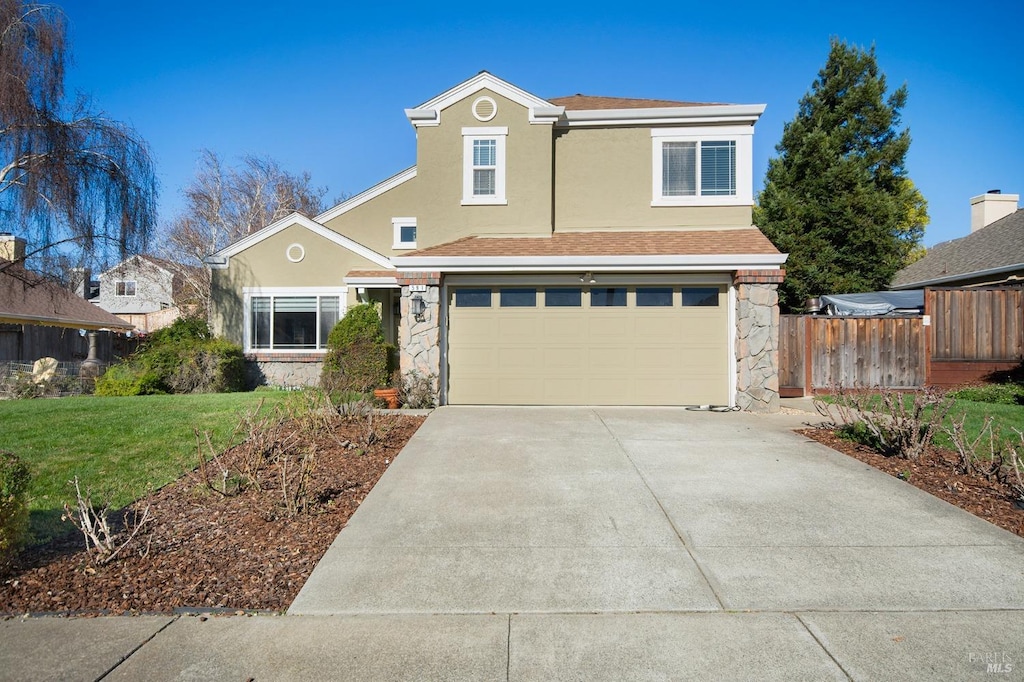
x: 990, y: 207
x: 81, y: 280
x: 11, y: 247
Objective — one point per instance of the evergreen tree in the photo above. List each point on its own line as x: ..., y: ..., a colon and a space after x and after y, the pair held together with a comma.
x: 837, y: 198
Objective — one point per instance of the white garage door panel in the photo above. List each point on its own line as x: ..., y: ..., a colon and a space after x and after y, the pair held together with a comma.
x: 625, y: 355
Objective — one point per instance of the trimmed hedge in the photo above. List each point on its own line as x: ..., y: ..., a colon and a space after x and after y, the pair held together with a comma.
x: 182, y: 358
x: 14, y: 479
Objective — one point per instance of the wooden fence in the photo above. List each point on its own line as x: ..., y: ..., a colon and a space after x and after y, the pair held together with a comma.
x: 964, y: 335
x: 29, y: 342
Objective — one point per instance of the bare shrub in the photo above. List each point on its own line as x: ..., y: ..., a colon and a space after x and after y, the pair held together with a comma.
x: 979, y: 456
x: 887, y: 420
x: 418, y: 391
x: 1015, y: 470
x: 102, y: 541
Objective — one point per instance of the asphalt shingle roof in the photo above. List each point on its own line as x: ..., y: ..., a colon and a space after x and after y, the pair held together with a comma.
x: 734, y: 241
x: 580, y: 102
x: 998, y: 245
x: 27, y: 297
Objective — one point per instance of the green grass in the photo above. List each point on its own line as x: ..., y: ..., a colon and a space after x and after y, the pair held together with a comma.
x: 118, y: 447
x: 1005, y: 417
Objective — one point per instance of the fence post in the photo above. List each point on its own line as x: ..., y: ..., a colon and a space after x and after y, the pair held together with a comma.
x: 926, y: 332
x: 808, y: 355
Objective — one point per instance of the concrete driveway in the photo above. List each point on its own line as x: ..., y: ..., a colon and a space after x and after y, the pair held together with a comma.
x: 627, y: 543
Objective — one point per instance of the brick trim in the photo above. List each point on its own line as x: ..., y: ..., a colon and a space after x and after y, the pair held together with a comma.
x: 317, y: 356
x: 759, y: 277
x: 405, y: 279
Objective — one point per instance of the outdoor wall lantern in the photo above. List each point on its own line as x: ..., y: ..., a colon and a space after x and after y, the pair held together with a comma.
x: 417, y: 306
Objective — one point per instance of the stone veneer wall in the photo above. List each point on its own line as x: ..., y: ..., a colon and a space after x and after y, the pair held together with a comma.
x: 419, y: 342
x: 757, y: 339
x: 286, y: 371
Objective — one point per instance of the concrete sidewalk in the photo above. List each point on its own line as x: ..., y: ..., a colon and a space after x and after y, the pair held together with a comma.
x: 606, y: 543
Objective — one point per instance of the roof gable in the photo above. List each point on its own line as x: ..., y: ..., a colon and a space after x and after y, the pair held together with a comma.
x: 220, y: 258
x: 429, y: 113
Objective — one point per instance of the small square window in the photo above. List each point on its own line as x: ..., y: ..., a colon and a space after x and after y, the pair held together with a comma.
x: 405, y: 233
x: 608, y: 297
x: 563, y: 298
x: 124, y: 288
x: 700, y: 296
x: 653, y: 297
x: 472, y: 298
x: 518, y: 298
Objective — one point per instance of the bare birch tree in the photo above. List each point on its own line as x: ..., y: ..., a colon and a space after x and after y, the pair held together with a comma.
x: 225, y: 203
x: 75, y: 184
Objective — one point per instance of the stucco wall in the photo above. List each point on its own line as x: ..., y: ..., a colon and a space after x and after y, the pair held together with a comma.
x: 604, y: 179
x: 266, y: 264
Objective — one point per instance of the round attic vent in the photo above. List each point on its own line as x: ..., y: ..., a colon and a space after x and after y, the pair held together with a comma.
x: 484, y: 108
x: 295, y: 253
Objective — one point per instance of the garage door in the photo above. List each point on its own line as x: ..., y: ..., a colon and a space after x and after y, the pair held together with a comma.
x: 564, y: 345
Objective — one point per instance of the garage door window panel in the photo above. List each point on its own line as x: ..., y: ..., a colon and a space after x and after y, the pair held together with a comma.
x: 700, y: 297
x: 563, y: 298
x: 472, y: 298
x: 518, y: 298
x: 654, y: 297
x: 608, y: 297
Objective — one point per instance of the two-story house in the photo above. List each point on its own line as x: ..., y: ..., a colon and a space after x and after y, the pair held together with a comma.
x: 573, y: 251
x: 144, y: 290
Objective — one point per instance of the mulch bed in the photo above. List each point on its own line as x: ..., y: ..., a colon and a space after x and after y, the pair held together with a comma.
x: 240, y: 552
x: 934, y: 474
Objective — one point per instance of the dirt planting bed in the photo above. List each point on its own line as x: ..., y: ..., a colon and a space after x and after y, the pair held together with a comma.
x: 204, y: 550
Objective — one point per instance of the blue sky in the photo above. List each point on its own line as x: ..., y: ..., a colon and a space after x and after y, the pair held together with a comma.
x: 321, y: 86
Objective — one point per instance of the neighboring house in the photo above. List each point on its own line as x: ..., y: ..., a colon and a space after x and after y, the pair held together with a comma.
x: 39, y: 317
x: 144, y: 290
x: 991, y: 255
x: 578, y: 250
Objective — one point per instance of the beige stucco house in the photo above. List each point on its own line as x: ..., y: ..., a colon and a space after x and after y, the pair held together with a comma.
x: 577, y: 250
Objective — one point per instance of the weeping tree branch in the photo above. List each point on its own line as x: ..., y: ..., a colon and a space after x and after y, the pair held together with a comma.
x: 70, y: 177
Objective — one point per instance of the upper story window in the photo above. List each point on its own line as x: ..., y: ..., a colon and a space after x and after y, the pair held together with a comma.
x: 405, y: 233
x: 702, y: 166
x: 124, y: 287
x: 483, y: 179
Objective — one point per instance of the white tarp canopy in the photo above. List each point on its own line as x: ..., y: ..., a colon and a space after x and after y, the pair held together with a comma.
x: 874, y: 303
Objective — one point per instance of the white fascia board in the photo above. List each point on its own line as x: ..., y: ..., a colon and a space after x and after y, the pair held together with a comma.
x: 723, y: 113
x: 315, y: 227
x: 962, y: 275
x: 367, y: 195
x: 596, y: 263
x: 429, y: 113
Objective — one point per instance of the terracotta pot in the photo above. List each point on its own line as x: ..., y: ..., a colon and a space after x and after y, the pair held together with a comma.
x: 390, y: 395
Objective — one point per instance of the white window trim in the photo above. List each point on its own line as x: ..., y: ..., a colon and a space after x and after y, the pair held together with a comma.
x: 248, y: 293
x: 396, y: 225
x: 741, y: 135
x: 469, y: 135
x: 135, y: 288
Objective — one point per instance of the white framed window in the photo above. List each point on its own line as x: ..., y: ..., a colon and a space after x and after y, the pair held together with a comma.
x: 707, y: 166
x: 124, y: 287
x: 405, y: 233
x: 291, y: 319
x: 483, y: 176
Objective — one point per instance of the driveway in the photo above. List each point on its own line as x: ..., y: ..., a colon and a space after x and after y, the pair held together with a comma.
x: 613, y: 543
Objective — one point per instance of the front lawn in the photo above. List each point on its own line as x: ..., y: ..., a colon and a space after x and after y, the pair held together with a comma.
x: 118, y: 447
